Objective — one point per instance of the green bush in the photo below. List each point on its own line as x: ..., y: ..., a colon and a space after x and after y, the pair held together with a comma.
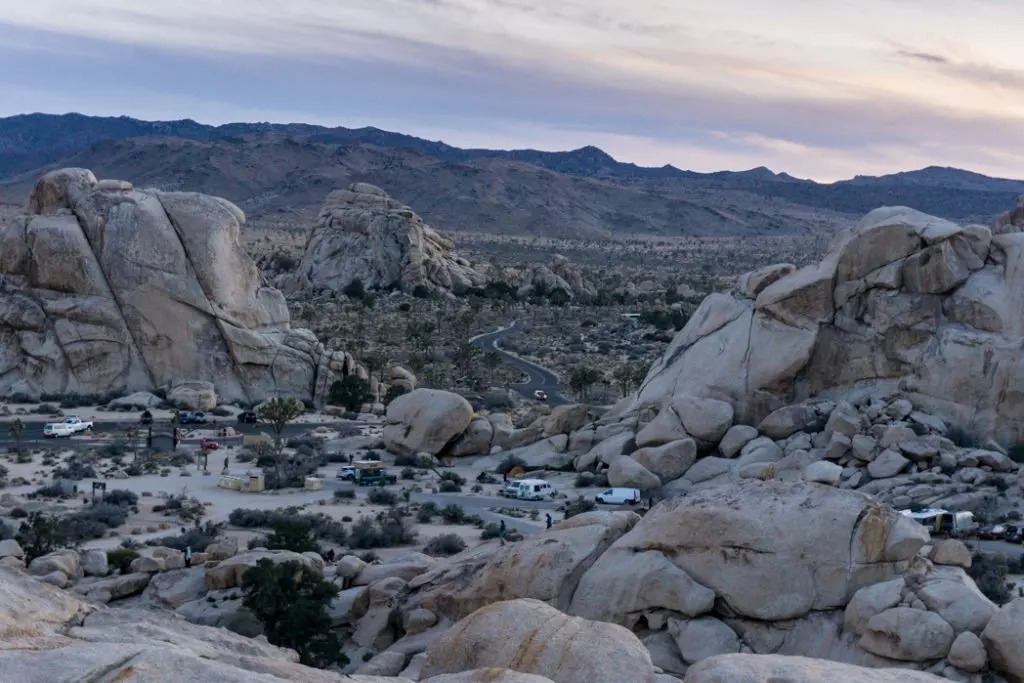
x: 121, y: 559
x: 386, y: 531
x: 344, y: 494
x: 579, y: 506
x: 449, y: 487
x: 121, y: 497
x: 989, y: 572
x: 445, y: 545
x: 296, y: 536
x: 382, y: 496
x: 198, y: 539
x: 453, y: 514
x: 493, y: 530
x: 323, y: 526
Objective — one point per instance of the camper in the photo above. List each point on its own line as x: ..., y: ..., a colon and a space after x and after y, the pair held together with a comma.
x: 618, y: 497
x: 529, y: 489
x: 944, y: 522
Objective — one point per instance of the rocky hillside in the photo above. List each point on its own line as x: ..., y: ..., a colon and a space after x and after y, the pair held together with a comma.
x: 363, y: 234
x: 902, y: 303
x: 106, y: 288
x: 731, y: 584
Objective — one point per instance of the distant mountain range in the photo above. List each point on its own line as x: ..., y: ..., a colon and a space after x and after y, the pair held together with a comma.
x: 275, y: 169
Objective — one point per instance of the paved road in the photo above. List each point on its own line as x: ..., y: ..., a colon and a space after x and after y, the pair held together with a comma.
x: 538, y: 377
x: 32, y: 436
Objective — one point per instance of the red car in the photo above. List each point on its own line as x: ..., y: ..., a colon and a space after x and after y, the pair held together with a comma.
x: 209, y: 445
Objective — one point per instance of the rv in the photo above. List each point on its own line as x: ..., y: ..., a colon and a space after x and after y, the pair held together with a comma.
x: 944, y: 522
x: 529, y: 489
x: 56, y: 430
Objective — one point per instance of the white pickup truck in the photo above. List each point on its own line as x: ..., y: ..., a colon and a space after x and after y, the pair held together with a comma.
x: 76, y: 424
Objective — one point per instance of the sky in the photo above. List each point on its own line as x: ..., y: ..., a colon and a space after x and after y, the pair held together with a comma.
x: 824, y: 89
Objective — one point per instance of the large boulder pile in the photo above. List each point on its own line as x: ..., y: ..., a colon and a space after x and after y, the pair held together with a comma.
x: 106, y: 288
x: 363, y: 234
x: 902, y: 302
x: 558, y: 278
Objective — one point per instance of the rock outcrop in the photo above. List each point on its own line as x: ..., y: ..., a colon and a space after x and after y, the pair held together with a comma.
x: 902, y: 301
x: 363, y: 234
x: 105, y: 288
x: 559, y: 278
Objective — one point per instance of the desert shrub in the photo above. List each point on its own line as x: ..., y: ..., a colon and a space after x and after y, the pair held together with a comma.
x: 291, y: 601
x: 75, y: 468
x: 121, y: 497
x: 385, y: 532
x: 121, y: 559
x: 323, y: 527
x: 51, y: 491
x: 297, y: 536
x: 114, y: 449
x: 584, y: 480
x: 449, y: 487
x: 579, y: 506
x: 197, y: 538
x: 453, y: 477
x: 393, y: 392
x: 40, y: 535
x: 47, y: 409
x: 408, y: 473
x: 453, y: 514
x: 5, y: 531
x: 989, y: 572
x: 18, y: 513
x: 344, y: 494
x: 382, y: 496
x: 445, y: 545
x: 406, y: 461
x: 493, y: 530
x: 509, y: 463
x: 221, y: 411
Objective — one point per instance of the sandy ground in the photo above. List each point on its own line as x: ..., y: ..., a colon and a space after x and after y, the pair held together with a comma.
x: 153, y: 489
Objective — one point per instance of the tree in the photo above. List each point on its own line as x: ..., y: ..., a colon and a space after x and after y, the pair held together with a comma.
x: 16, y: 428
x: 464, y: 355
x: 375, y: 364
x: 629, y: 376
x: 278, y: 412
x: 290, y: 600
x: 296, y: 536
x: 581, y: 379
x: 350, y: 392
x: 40, y: 535
x: 394, y: 391
x: 492, y: 360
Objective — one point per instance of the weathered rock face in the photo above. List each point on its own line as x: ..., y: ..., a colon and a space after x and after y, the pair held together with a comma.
x: 752, y: 546
x: 106, y: 288
x: 363, y: 234
x: 425, y: 420
x: 902, y: 300
x: 534, y: 638
x: 559, y: 278
x: 736, y: 668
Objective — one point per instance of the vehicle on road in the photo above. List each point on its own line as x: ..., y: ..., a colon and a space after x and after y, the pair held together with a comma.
x: 618, y: 497
x: 54, y: 430
x: 209, y: 445
x: 248, y: 418
x: 540, y: 395
x: 197, y: 418
x: 348, y: 473
x: 76, y: 424
x: 529, y: 489
x: 371, y: 473
x: 1014, y: 534
x: 146, y: 418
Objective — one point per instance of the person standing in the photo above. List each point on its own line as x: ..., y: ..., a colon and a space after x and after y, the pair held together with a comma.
x: 188, y: 556
x: 501, y: 532
x: 549, y: 520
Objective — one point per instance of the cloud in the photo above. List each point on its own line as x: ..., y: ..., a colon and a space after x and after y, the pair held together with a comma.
x: 799, y: 86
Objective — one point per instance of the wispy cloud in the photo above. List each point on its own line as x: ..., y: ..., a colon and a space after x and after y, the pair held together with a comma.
x: 815, y: 87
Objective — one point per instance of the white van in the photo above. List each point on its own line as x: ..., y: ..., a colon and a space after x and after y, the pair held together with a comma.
x: 619, y: 497
x: 53, y: 430
x: 530, y: 489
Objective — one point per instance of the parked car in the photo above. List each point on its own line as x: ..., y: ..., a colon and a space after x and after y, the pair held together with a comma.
x: 56, y: 430
x: 248, y: 418
x: 348, y: 473
x: 146, y: 418
x: 209, y: 445
x: 618, y: 497
x: 375, y: 477
x: 540, y: 395
x: 529, y: 489
x: 992, y: 533
x: 196, y: 418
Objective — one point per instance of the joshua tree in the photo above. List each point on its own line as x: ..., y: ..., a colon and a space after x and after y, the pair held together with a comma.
x: 16, y: 428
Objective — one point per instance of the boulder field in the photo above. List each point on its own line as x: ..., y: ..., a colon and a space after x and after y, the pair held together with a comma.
x: 757, y: 582
x: 107, y: 288
x: 902, y: 302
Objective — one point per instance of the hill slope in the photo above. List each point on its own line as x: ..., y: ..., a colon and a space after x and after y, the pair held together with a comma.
x: 584, y: 193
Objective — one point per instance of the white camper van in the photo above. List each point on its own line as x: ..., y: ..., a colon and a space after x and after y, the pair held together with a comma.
x: 529, y: 489
x: 618, y: 497
x: 55, y: 430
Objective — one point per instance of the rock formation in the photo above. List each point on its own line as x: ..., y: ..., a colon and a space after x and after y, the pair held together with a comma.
x: 902, y: 302
x: 560, y: 276
x: 105, y: 288
x: 363, y: 234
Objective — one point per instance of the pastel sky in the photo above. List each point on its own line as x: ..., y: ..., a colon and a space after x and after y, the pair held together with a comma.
x: 818, y: 88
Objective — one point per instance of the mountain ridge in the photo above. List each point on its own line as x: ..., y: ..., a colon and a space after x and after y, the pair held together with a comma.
x: 280, y: 167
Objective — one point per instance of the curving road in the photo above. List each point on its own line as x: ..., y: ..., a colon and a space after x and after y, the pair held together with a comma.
x: 538, y: 377
x: 33, y: 434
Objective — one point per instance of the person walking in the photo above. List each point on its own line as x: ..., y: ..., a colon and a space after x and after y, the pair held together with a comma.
x: 188, y: 556
x: 549, y: 520
x: 501, y: 532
